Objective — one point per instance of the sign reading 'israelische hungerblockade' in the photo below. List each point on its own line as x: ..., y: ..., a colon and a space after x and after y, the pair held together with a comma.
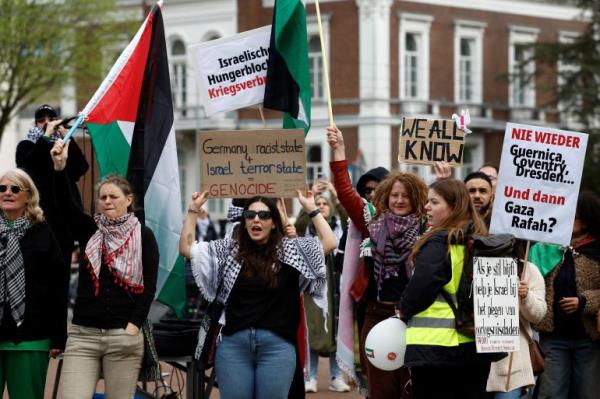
x: 232, y: 71
x: 538, y: 183
x: 426, y: 141
x: 247, y: 163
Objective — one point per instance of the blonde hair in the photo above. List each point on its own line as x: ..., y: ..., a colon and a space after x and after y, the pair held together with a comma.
x: 414, y: 185
x: 33, y: 212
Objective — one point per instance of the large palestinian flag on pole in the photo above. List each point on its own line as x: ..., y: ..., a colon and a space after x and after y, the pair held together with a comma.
x: 130, y: 121
x: 288, y: 73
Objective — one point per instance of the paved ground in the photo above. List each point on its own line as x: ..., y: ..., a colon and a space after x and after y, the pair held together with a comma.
x: 179, y: 380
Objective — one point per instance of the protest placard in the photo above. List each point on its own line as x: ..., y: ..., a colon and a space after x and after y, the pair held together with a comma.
x: 232, y: 71
x: 538, y: 183
x: 246, y: 163
x: 426, y: 141
x: 496, y: 304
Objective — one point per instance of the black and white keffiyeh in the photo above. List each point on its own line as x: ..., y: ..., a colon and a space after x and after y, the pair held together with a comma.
x: 35, y: 133
x: 12, y: 268
x: 303, y: 254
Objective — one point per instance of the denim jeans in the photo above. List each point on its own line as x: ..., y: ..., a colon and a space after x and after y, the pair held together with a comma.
x: 570, y: 365
x: 514, y: 394
x: 254, y: 363
x: 334, y: 369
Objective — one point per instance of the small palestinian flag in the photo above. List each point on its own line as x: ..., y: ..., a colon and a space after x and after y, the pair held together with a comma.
x: 288, y: 73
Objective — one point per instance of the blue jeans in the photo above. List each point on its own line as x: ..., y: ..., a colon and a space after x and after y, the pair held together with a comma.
x: 254, y: 363
x: 571, y: 365
x: 514, y: 394
x: 334, y: 369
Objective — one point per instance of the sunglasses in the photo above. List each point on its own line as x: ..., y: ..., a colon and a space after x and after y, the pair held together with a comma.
x: 262, y: 215
x: 13, y: 189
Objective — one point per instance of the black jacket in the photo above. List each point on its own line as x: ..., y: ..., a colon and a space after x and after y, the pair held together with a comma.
x: 433, y: 270
x: 114, y: 307
x: 45, y: 296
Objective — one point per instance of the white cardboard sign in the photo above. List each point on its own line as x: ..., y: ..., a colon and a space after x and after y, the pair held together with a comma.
x: 538, y: 183
x: 496, y: 304
x: 232, y: 71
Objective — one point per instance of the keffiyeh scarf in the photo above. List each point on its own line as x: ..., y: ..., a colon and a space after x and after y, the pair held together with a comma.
x: 12, y: 273
x: 393, y: 237
x: 35, y: 133
x: 118, y: 244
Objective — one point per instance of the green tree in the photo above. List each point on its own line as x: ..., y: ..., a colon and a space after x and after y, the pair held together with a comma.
x: 45, y: 44
x: 577, y: 89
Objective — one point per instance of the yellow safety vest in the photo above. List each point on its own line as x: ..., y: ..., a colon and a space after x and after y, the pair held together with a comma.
x: 436, y: 325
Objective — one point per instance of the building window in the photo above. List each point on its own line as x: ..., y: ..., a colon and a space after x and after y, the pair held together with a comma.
x: 315, y: 59
x: 411, y: 64
x: 466, y: 68
x: 179, y: 76
x: 414, y: 56
x: 522, y: 67
x: 468, y: 61
x: 314, y: 164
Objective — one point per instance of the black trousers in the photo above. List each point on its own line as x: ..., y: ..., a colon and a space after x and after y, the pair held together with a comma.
x: 456, y: 382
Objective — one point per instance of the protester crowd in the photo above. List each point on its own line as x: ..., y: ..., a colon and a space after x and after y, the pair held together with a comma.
x: 286, y: 293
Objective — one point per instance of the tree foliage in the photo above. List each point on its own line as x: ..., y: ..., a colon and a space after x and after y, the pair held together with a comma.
x: 577, y: 88
x: 47, y: 43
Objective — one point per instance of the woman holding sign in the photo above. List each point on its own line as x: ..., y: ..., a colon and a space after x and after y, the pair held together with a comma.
x: 258, y: 276
x: 443, y: 362
x: 391, y: 224
x: 511, y: 375
x: 568, y: 334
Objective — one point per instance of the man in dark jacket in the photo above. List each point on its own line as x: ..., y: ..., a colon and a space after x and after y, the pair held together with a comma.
x: 33, y: 155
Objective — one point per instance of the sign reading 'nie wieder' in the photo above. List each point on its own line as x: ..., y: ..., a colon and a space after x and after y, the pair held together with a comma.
x: 426, y: 141
x: 538, y: 183
x: 246, y: 163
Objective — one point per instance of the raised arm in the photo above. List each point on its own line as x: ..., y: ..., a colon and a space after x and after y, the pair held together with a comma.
x: 346, y: 194
x: 188, y: 231
x: 323, y: 229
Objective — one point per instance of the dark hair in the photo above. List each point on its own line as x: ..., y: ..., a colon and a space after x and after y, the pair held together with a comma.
x: 261, y: 260
x: 123, y: 185
x: 462, y: 218
x: 478, y: 175
x: 415, y: 186
x: 588, y: 211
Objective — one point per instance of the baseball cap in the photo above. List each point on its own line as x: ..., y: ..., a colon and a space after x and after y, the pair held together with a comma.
x: 45, y: 110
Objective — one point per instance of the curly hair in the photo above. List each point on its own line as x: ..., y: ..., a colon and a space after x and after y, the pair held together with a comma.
x: 33, y: 212
x: 463, y: 214
x: 261, y: 260
x: 123, y: 185
x: 415, y: 186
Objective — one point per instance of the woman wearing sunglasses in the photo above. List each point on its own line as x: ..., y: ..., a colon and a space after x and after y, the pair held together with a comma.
x: 33, y: 295
x: 117, y: 283
x: 258, y: 275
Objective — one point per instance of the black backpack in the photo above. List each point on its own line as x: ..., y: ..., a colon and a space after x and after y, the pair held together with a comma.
x: 494, y: 246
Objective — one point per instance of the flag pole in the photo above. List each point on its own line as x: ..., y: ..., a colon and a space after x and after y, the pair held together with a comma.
x: 325, y: 67
x: 262, y: 116
x: 74, y: 127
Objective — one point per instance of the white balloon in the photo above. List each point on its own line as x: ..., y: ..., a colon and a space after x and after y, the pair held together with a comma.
x: 386, y: 344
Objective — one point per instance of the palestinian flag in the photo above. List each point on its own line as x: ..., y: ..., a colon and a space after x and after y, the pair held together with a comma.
x: 130, y: 121
x: 288, y: 73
